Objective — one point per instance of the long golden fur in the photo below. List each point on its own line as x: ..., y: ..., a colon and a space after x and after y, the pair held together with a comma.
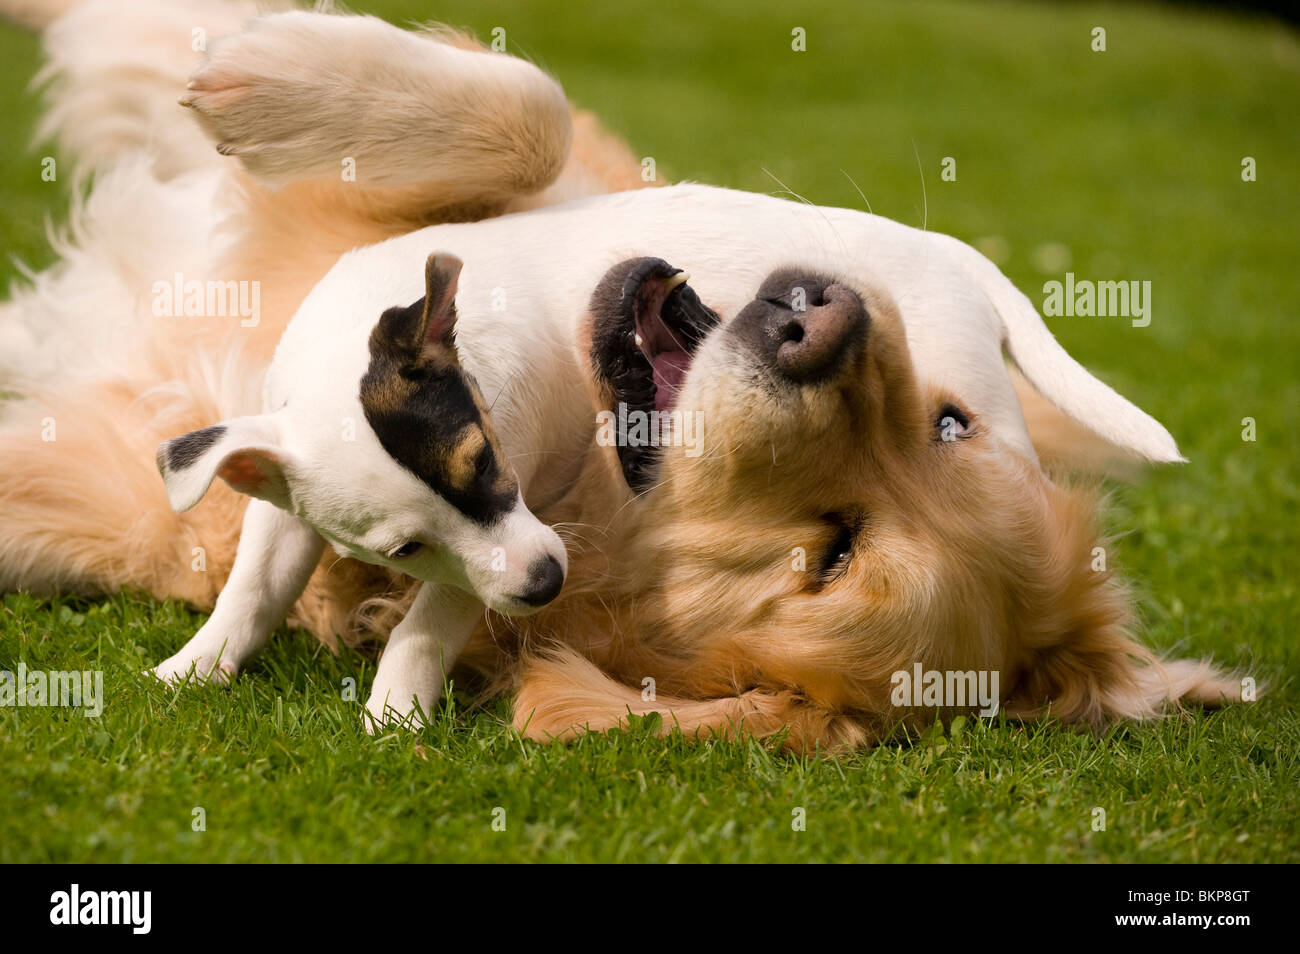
x: 969, y: 558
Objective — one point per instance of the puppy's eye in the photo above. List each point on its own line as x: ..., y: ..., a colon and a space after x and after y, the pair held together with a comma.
x: 839, y: 554
x: 410, y: 548
x: 951, y: 423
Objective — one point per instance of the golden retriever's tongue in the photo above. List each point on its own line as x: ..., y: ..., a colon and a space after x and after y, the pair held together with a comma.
x: 670, y: 369
x: 662, y: 347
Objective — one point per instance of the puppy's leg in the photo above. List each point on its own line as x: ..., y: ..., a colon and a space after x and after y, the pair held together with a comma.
x: 420, y: 652
x: 277, y: 553
x: 358, y: 101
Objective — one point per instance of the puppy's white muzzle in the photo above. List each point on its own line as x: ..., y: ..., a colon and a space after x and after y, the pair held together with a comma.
x: 521, y: 569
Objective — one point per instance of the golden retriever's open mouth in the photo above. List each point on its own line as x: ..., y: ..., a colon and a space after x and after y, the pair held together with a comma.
x: 647, y: 325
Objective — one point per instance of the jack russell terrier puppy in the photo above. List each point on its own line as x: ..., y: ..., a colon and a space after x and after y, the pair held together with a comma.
x: 376, y: 440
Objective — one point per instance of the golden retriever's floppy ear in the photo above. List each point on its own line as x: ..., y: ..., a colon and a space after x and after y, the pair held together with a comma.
x: 1063, y: 445
x: 1101, y: 676
x: 1077, y: 659
x: 1062, y: 380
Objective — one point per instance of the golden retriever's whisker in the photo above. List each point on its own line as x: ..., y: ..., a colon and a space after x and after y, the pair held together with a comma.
x: 925, y: 210
x: 805, y: 201
x: 563, y: 528
x: 859, y: 190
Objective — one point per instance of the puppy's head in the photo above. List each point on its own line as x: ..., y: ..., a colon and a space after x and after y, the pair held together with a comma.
x: 389, y: 455
x: 842, y: 520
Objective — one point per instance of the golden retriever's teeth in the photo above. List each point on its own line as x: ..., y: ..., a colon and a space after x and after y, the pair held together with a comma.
x: 673, y: 281
x: 638, y: 339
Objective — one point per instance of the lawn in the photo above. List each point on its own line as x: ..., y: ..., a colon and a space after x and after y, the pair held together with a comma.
x: 1122, y: 164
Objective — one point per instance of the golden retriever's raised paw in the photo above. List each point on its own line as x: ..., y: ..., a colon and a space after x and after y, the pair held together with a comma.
x: 303, y: 95
x: 263, y: 95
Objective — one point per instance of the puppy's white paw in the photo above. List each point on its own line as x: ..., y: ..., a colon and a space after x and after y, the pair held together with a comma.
x: 200, y: 668
x: 395, y: 706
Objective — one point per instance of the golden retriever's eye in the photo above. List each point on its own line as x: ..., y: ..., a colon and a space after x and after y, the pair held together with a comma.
x: 410, y: 548
x: 951, y: 423
x: 837, y: 557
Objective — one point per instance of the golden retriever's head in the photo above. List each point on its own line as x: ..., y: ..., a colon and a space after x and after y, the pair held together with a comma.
x: 812, y: 520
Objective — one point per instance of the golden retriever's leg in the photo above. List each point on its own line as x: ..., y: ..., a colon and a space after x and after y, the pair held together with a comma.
x: 418, y: 123
x: 351, y: 131
x: 563, y: 694
x: 599, y: 162
x: 85, y: 511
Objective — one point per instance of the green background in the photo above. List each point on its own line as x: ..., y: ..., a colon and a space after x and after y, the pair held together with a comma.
x: 1122, y: 164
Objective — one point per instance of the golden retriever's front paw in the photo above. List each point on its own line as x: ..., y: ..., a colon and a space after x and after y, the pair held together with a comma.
x: 265, y: 95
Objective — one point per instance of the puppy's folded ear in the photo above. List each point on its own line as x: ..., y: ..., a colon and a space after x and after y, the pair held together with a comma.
x: 244, y: 452
x: 438, y: 319
x: 423, y: 334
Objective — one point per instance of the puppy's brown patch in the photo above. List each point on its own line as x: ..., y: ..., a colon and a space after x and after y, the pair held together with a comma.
x: 427, y: 411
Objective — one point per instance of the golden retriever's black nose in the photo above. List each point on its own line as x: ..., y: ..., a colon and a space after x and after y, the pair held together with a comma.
x: 803, y: 327
x: 545, y: 578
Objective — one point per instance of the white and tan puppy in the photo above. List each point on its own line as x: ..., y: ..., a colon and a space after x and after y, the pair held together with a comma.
x: 375, y: 439
x: 359, y: 405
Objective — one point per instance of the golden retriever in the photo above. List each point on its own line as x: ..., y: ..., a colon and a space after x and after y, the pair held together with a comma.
x: 846, y: 522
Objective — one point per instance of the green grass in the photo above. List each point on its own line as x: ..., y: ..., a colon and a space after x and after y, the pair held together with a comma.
x: 1130, y: 158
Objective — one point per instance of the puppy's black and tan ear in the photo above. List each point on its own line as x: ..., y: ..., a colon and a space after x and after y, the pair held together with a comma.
x: 423, y: 334
x: 244, y: 452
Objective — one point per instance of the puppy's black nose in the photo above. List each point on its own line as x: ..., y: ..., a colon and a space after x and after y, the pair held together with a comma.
x: 545, y: 578
x: 803, y: 327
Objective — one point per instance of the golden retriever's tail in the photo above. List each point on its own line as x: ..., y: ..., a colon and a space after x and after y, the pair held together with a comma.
x: 114, y: 70
x: 93, y: 373
x: 563, y: 695
x: 34, y: 14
